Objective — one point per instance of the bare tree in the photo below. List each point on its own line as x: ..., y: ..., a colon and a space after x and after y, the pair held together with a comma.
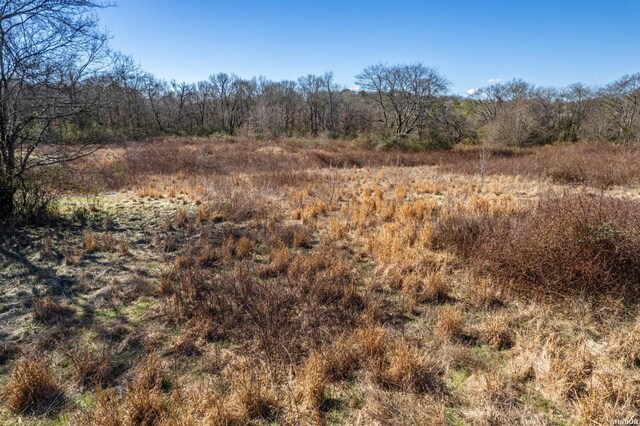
x: 333, y: 101
x: 124, y: 104
x: 274, y: 114
x: 404, y: 94
x: 48, y: 48
x: 487, y: 101
x: 155, y: 91
x: 311, y: 88
x: 574, y: 102
x: 621, y: 100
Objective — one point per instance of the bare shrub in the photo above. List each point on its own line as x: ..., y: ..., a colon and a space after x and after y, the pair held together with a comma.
x: 284, y: 314
x: 596, y: 164
x: 570, y: 244
x: 34, y: 201
x: 462, y: 232
x: 601, y: 165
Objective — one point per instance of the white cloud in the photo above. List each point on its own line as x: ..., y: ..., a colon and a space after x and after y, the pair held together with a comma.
x: 494, y: 80
x: 472, y: 91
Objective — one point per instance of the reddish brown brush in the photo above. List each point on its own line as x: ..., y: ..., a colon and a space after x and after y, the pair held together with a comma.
x: 600, y: 165
x: 569, y: 245
x: 290, y: 307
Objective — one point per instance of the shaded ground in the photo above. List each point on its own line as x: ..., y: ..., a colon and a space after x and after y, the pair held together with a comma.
x: 40, y: 262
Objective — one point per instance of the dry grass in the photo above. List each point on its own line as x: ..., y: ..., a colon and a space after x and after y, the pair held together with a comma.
x: 408, y: 369
x: 48, y: 310
x: 91, y: 368
x: 449, y: 323
x: 496, y: 332
x: 281, y: 311
x: 33, y: 389
x: 295, y: 282
x: 94, y: 242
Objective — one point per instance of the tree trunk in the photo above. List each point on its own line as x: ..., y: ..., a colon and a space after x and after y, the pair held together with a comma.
x: 7, y: 191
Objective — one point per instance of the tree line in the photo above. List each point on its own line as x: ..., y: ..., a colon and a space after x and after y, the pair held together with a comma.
x: 407, y: 105
x: 63, y: 92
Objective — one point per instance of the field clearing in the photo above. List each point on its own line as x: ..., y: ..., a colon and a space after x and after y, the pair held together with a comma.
x: 195, y: 281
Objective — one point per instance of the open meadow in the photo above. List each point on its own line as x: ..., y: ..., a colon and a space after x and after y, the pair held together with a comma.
x: 231, y: 281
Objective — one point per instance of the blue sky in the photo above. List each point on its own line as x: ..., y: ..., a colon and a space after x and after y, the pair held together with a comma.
x: 549, y: 43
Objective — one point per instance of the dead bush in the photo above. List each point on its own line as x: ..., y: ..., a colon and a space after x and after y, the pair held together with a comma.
x: 571, y: 244
x: 595, y: 164
x: 462, y: 232
x: 284, y: 314
x: 600, y: 165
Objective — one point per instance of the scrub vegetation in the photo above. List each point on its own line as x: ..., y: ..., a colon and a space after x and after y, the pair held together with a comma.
x: 315, y: 282
x: 250, y: 252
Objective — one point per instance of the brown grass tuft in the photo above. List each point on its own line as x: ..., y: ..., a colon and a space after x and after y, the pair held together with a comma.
x: 32, y: 388
x: 151, y: 372
x: 407, y: 369
x: 625, y: 345
x: 106, y: 411
x: 94, y: 242
x: 144, y: 406
x: 91, y: 368
x: 47, y: 310
x: 311, y: 383
x: 449, y: 323
x: 495, y: 332
x: 254, y: 395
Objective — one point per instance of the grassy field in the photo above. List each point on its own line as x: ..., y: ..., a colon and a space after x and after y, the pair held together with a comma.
x: 231, y: 282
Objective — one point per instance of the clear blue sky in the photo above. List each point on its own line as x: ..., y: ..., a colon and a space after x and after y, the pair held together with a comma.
x: 549, y: 43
